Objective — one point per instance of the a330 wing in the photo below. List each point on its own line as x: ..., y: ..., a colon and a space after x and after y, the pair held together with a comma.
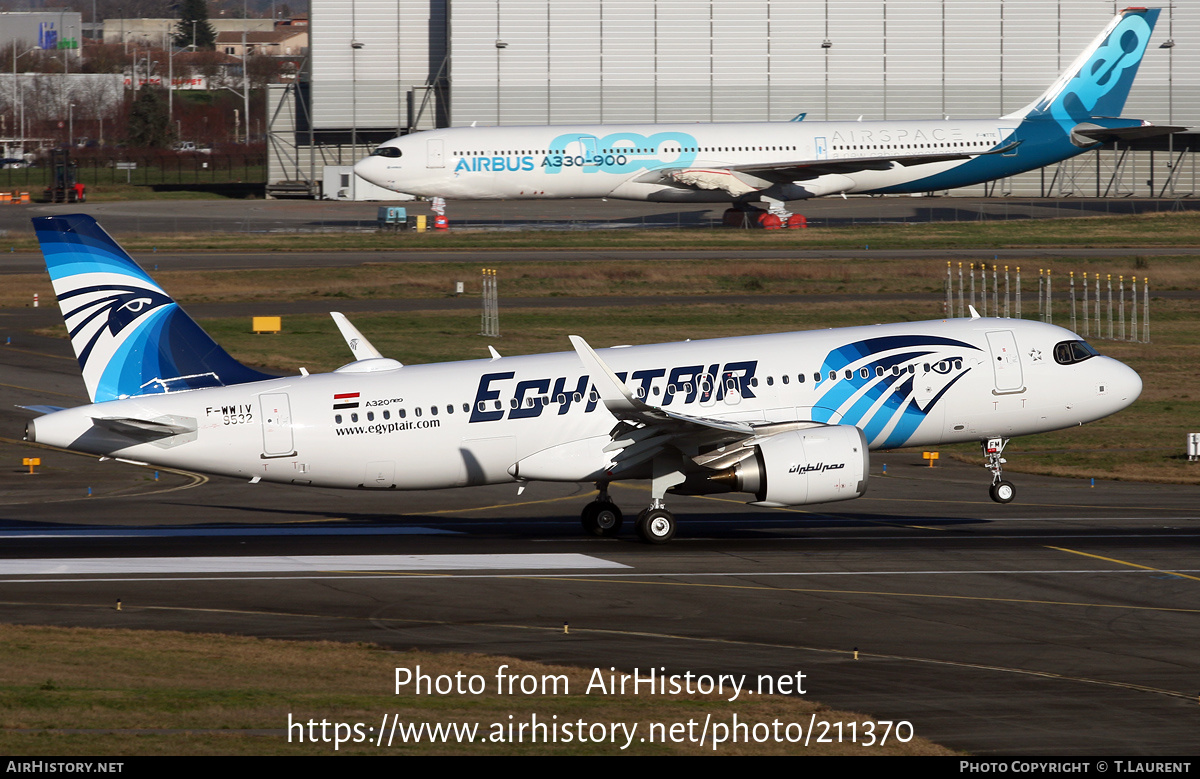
x: 801, y: 170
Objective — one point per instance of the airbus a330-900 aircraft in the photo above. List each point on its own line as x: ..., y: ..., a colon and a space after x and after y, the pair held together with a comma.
x: 777, y: 162
x: 787, y: 417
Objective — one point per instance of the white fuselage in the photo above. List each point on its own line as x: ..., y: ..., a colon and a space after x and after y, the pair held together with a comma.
x: 536, y: 417
x: 590, y: 161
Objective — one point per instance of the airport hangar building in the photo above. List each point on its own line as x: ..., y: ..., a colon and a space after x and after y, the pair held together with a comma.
x: 380, y: 68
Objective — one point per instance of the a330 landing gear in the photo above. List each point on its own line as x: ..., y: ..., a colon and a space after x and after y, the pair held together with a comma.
x: 1001, y: 491
x: 601, y: 517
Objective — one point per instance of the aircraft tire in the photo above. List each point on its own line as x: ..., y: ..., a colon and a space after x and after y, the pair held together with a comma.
x: 656, y: 526
x: 602, y: 519
x: 1003, y: 492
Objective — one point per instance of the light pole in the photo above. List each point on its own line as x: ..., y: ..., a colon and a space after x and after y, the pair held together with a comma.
x: 169, y: 45
x: 22, y: 92
x: 70, y: 125
x: 245, y: 78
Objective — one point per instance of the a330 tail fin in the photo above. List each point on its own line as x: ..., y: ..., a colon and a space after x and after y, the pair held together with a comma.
x: 1098, y: 82
x: 130, y: 337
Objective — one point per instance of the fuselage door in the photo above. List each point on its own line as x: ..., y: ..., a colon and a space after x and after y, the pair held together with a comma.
x: 707, y: 390
x: 435, y: 153
x: 733, y: 390
x: 276, y: 414
x: 380, y: 475
x: 1006, y: 362
x: 590, y: 147
x: 820, y: 148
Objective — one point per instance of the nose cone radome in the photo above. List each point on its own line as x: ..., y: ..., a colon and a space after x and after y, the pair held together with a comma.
x: 1126, y: 384
x: 367, y: 168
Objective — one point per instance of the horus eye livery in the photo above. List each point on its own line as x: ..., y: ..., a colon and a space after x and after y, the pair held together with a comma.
x: 137, y: 305
x: 132, y: 304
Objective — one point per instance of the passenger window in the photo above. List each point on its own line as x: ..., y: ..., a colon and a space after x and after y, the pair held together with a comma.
x: 338, y: 419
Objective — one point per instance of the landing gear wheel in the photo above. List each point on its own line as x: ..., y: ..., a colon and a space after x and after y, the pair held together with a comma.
x: 656, y: 526
x: 1003, y: 492
x: 601, y: 518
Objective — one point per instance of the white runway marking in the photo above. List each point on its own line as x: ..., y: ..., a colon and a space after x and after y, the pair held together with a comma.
x: 307, y: 563
x: 630, y: 574
x: 189, y: 531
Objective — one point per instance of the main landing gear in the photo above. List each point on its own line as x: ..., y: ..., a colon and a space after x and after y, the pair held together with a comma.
x: 1001, y: 491
x: 601, y: 517
x: 655, y: 525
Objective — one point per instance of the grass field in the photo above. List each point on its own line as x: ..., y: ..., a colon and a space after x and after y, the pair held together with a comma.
x: 1159, y: 229
x: 146, y: 693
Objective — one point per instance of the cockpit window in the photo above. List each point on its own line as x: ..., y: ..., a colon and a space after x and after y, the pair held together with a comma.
x: 386, y: 151
x: 1069, y: 352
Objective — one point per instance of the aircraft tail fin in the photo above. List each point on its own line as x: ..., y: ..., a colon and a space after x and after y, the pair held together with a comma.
x: 1098, y: 82
x: 130, y: 337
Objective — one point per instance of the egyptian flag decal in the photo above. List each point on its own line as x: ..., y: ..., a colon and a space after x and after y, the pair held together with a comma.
x: 345, y: 400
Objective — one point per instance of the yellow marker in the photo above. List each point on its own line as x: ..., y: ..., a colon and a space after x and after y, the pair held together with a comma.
x: 266, y: 324
x: 31, y: 462
x: 566, y: 627
x: 930, y: 456
x: 118, y: 604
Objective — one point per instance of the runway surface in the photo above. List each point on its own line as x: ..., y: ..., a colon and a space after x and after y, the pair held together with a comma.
x: 282, y: 216
x: 1065, y: 623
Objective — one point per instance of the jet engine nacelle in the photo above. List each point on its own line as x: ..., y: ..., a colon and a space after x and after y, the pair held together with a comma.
x: 814, y: 465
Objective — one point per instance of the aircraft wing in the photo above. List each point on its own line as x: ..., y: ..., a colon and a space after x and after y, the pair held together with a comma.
x: 800, y: 170
x: 647, y: 430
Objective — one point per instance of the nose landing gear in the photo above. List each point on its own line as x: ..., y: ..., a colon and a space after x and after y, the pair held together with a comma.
x: 1001, y: 491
